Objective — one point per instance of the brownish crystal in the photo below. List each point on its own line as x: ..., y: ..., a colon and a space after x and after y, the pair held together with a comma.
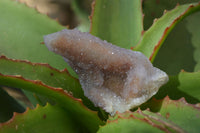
x: 114, y: 78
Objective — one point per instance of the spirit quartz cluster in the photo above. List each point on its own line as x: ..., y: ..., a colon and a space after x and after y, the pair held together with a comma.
x: 113, y: 78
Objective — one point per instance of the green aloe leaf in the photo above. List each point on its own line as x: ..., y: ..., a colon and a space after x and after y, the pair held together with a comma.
x: 186, y: 116
x: 128, y: 123
x: 183, y: 85
x: 45, y: 73
x: 190, y: 83
x: 75, y: 107
x: 169, y: 119
x: 177, y: 50
x: 22, y: 31
x: 154, y: 37
x: 48, y: 119
x: 8, y: 106
x: 155, y: 8
x: 118, y: 22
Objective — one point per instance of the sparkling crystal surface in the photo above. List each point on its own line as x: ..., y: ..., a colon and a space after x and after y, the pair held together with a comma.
x: 114, y: 78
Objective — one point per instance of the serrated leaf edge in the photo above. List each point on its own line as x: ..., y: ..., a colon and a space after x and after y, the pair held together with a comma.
x: 184, y: 101
x: 24, y: 113
x: 64, y: 71
x: 58, y: 90
x: 167, y: 29
x: 147, y: 118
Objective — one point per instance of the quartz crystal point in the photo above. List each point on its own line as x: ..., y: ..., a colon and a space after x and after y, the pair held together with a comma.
x: 113, y: 78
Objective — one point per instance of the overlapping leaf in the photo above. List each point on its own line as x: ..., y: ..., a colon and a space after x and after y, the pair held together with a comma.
x: 177, y: 50
x: 44, y: 73
x: 157, y: 33
x: 8, y: 106
x: 174, y: 116
x: 75, y: 107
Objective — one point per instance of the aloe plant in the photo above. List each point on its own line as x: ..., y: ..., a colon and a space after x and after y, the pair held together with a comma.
x: 59, y: 105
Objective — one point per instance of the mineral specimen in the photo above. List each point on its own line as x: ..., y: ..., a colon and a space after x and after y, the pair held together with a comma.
x: 114, y: 78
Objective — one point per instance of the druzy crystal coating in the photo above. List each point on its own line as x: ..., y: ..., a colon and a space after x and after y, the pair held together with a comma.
x: 113, y: 78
